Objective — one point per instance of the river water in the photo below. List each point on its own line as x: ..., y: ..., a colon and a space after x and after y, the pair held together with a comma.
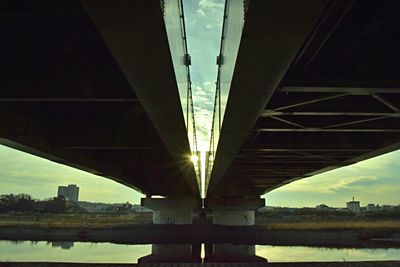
x: 21, y: 251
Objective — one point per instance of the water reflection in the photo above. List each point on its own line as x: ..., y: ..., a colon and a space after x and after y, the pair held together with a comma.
x: 232, y: 253
x: 62, y: 245
x: 173, y: 253
x: 310, y: 254
x: 42, y: 251
x: 20, y: 251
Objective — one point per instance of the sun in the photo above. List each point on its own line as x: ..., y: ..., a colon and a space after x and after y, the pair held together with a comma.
x: 194, y: 158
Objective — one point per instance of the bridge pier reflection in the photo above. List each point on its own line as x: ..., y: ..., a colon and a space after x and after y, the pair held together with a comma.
x: 233, y: 249
x: 172, y: 253
x: 162, y: 254
x: 233, y: 253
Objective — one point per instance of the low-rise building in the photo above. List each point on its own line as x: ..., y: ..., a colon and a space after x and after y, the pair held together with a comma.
x: 322, y: 207
x: 353, y: 205
x: 371, y: 207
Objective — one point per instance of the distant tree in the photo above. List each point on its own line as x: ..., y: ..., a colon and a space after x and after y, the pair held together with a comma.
x: 19, y: 203
x: 25, y: 203
x: 55, y: 205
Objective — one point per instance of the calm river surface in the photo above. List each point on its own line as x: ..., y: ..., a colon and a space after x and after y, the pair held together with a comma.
x: 115, y: 253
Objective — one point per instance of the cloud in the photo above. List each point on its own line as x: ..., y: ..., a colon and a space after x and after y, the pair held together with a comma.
x: 211, y: 4
x: 201, y: 12
x: 203, y: 98
x: 209, y: 26
x: 203, y: 28
x: 327, y: 184
x: 371, y: 181
x: 349, y: 183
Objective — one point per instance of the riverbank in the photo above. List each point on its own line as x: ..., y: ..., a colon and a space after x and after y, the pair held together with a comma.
x: 190, y: 234
x: 107, y: 220
x: 137, y: 229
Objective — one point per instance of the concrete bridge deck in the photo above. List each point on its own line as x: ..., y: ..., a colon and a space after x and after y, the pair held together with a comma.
x: 309, y: 86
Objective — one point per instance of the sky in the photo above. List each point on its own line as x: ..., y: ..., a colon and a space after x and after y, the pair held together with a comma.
x: 203, y: 29
x: 371, y: 181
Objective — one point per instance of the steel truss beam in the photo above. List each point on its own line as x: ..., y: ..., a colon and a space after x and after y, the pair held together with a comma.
x: 326, y: 130
x: 110, y: 148
x: 307, y: 149
x: 312, y: 101
x: 270, y: 113
x: 348, y: 90
x: 73, y: 100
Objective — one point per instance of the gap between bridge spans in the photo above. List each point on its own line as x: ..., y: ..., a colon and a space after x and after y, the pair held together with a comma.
x: 194, y: 27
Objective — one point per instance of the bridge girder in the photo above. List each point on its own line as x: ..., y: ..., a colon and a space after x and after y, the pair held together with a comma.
x: 69, y: 97
x: 334, y: 101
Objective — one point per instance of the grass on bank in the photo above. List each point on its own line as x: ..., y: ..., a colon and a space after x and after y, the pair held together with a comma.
x: 335, y: 225
x: 73, y: 220
x: 115, y: 220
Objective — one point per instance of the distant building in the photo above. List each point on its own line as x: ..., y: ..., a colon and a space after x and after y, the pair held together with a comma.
x: 322, y: 207
x: 62, y: 191
x: 73, y: 192
x: 353, y: 205
x: 387, y: 207
x: 70, y: 192
x: 371, y: 207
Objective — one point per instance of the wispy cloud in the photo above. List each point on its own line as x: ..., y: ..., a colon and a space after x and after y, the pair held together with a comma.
x: 328, y: 185
x: 203, y: 27
x: 373, y: 180
x: 211, y: 4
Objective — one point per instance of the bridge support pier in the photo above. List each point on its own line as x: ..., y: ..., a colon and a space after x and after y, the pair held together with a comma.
x: 234, y: 212
x: 171, y: 210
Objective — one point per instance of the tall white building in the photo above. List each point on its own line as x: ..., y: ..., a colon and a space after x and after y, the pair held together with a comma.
x: 62, y: 191
x: 71, y: 192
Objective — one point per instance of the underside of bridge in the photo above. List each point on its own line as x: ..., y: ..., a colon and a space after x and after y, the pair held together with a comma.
x: 68, y: 95
x: 316, y: 86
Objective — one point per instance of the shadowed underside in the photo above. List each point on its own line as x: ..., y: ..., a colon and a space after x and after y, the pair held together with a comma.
x: 331, y: 97
x: 65, y: 97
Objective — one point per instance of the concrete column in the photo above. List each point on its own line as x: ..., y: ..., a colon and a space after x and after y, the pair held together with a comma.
x: 233, y: 217
x: 170, y: 216
x: 235, y: 212
x: 171, y: 210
